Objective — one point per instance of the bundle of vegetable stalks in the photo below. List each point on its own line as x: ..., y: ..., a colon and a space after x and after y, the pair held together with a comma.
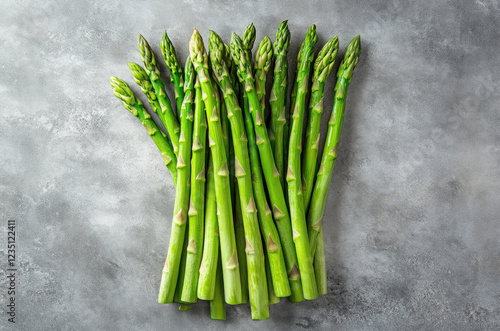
x: 250, y: 195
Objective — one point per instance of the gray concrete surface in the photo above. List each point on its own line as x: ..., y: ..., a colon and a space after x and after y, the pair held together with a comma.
x: 412, y: 226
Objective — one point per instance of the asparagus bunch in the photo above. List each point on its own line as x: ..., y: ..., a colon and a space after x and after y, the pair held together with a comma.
x: 239, y: 231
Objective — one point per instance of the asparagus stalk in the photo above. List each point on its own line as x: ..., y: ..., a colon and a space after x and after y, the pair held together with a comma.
x: 241, y: 244
x: 241, y: 57
x: 208, y: 265
x: 230, y: 270
x: 135, y: 106
x: 217, y: 305
x: 170, y: 58
x: 322, y: 68
x: 226, y: 135
x: 263, y: 57
x: 171, y: 269
x: 257, y: 285
x: 197, y: 207
x: 325, y: 172
x: 182, y: 271
x: 278, y: 97
x: 167, y: 116
x: 238, y: 213
x: 239, y: 230
x: 320, y: 264
x: 272, y: 295
x: 293, y: 176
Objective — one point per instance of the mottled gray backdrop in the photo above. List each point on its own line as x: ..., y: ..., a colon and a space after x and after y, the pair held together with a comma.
x: 412, y: 225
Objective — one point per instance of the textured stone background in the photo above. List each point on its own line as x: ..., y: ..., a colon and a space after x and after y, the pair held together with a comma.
x: 412, y: 226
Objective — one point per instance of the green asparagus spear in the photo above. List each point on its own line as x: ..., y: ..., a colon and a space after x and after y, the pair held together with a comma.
x: 167, y: 115
x: 208, y: 265
x: 135, y: 106
x: 293, y: 176
x: 238, y: 214
x: 229, y: 255
x: 239, y: 230
x: 278, y: 97
x: 257, y: 285
x: 181, y: 206
x: 217, y: 305
x: 197, y: 207
x: 241, y: 57
x: 168, y: 52
x: 325, y: 172
x: 322, y: 68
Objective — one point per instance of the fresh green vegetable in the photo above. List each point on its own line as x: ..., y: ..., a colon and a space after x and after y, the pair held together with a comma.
x: 293, y: 176
x: 197, y: 206
x: 247, y: 224
x: 278, y: 97
x: 325, y: 172
x: 181, y: 206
